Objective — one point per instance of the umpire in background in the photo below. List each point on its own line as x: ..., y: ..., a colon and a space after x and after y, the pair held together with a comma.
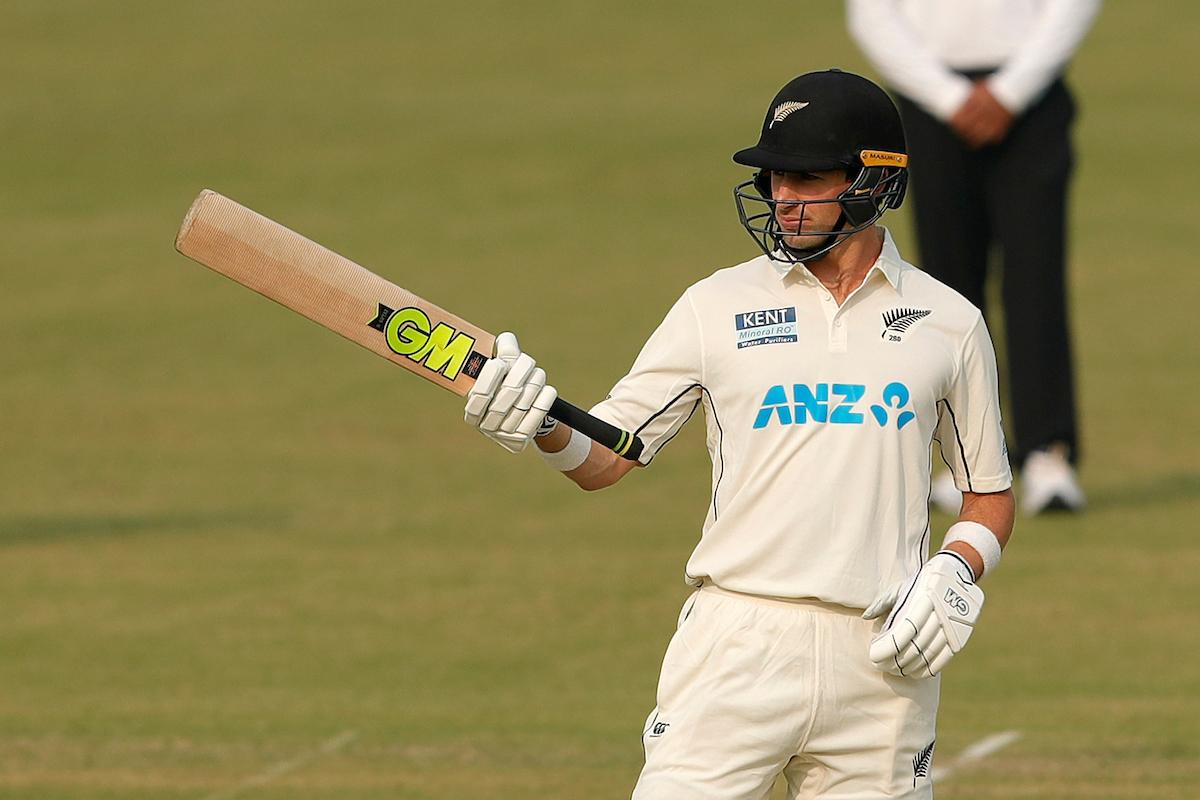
x: 988, y: 116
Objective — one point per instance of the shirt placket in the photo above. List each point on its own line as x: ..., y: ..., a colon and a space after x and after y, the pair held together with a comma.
x: 835, y: 321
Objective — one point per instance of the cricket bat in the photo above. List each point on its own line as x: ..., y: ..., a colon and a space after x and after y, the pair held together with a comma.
x: 346, y: 298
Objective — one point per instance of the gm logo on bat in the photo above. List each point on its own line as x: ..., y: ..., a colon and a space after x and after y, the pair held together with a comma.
x: 439, y: 348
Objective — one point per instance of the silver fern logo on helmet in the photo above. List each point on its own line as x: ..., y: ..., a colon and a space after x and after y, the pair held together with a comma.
x: 785, y: 110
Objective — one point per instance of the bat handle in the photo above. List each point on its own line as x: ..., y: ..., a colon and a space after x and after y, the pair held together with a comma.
x: 623, y: 443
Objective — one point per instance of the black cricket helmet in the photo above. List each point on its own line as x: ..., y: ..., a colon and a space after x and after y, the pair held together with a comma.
x: 823, y: 121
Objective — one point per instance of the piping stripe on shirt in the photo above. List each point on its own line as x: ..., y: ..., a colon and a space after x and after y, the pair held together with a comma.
x: 958, y: 438
x: 716, y: 419
x: 662, y: 411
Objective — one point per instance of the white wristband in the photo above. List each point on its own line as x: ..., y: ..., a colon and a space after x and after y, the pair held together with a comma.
x: 981, y: 538
x: 571, y: 456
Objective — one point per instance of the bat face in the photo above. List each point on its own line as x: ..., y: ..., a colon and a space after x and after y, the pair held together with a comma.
x: 333, y: 291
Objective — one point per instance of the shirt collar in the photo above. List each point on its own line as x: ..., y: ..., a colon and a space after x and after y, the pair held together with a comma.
x: 889, y: 264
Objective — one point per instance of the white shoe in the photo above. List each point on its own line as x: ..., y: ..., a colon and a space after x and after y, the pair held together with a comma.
x: 1048, y: 482
x: 944, y: 494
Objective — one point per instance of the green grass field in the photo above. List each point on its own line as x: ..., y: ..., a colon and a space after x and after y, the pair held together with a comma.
x: 244, y: 558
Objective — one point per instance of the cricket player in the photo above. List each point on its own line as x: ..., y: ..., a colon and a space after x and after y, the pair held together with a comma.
x: 826, y: 369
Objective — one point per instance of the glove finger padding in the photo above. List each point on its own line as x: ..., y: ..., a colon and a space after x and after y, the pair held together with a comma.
x: 930, y: 630
x: 938, y: 661
x: 483, y: 391
x: 513, y: 444
x: 528, y: 426
x: 507, y: 346
x: 937, y: 649
x: 510, y: 398
x: 519, y: 438
x: 509, y: 393
x: 479, y: 397
x: 917, y: 660
x: 909, y: 618
x: 535, y: 384
x: 894, y: 650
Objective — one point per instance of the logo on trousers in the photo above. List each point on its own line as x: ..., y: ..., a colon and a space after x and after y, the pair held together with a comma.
x: 922, y: 761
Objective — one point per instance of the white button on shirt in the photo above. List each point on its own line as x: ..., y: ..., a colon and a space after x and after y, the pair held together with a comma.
x: 819, y: 420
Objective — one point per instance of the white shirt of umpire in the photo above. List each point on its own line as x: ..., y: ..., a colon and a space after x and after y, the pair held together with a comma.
x: 918, y: 46
x: 820, y: 421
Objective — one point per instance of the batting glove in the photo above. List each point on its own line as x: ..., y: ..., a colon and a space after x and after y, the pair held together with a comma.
x: 885, y: 601
x: 932, y: 621
x: 510, y: 397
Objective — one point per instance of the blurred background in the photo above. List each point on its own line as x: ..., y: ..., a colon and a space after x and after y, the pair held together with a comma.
x: 244, y: 558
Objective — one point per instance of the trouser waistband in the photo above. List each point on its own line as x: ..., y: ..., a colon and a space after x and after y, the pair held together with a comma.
x: 803, y: 602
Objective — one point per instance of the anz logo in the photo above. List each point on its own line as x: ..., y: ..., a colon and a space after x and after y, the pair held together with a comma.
x: 834, y: 404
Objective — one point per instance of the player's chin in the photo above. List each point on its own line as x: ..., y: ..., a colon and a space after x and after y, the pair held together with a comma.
x: 791, y: 232
x: 803, y: 242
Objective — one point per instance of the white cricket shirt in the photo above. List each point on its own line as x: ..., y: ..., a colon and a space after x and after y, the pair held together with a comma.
x: 917, y: 45
x: 820, y: 420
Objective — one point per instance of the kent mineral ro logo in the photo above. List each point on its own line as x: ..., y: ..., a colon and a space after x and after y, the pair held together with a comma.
x: 766, y: 326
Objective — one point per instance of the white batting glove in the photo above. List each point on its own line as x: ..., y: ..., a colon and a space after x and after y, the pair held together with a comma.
x: 510, y: 397
x: 884, y: 601
x: 932, y: 621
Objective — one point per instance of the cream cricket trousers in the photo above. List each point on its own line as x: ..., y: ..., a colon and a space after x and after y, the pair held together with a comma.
x: 754, y: 687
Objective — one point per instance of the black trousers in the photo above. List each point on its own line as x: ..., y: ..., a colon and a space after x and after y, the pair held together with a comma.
x: 1010, y: 198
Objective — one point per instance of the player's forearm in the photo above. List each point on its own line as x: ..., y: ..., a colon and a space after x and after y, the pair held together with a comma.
x: 601, y: 468
x: 995, y: 511
x: 555, y: 440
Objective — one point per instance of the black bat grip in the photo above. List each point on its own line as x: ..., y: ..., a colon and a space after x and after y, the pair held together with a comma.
x: 623, y: 443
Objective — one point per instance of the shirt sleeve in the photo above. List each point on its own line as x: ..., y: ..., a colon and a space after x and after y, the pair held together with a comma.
x: 969, y: 428
x: 906, y: 63
x: 663, y: 388
x: 1055, y: 36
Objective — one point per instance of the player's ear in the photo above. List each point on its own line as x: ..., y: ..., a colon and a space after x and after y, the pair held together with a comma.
x: 858, y: 201
x: 762, y: 182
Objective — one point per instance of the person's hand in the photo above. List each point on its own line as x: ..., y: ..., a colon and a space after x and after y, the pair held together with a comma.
x: 934, y: 617
x: 510, y: 397
x: 982, y: 119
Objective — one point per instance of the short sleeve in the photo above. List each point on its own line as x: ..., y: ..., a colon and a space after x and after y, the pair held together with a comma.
x: 663, y: 388
x: 969, y: 427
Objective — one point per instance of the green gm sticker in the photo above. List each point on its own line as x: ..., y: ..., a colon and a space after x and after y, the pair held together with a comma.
x: 410, y: 333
